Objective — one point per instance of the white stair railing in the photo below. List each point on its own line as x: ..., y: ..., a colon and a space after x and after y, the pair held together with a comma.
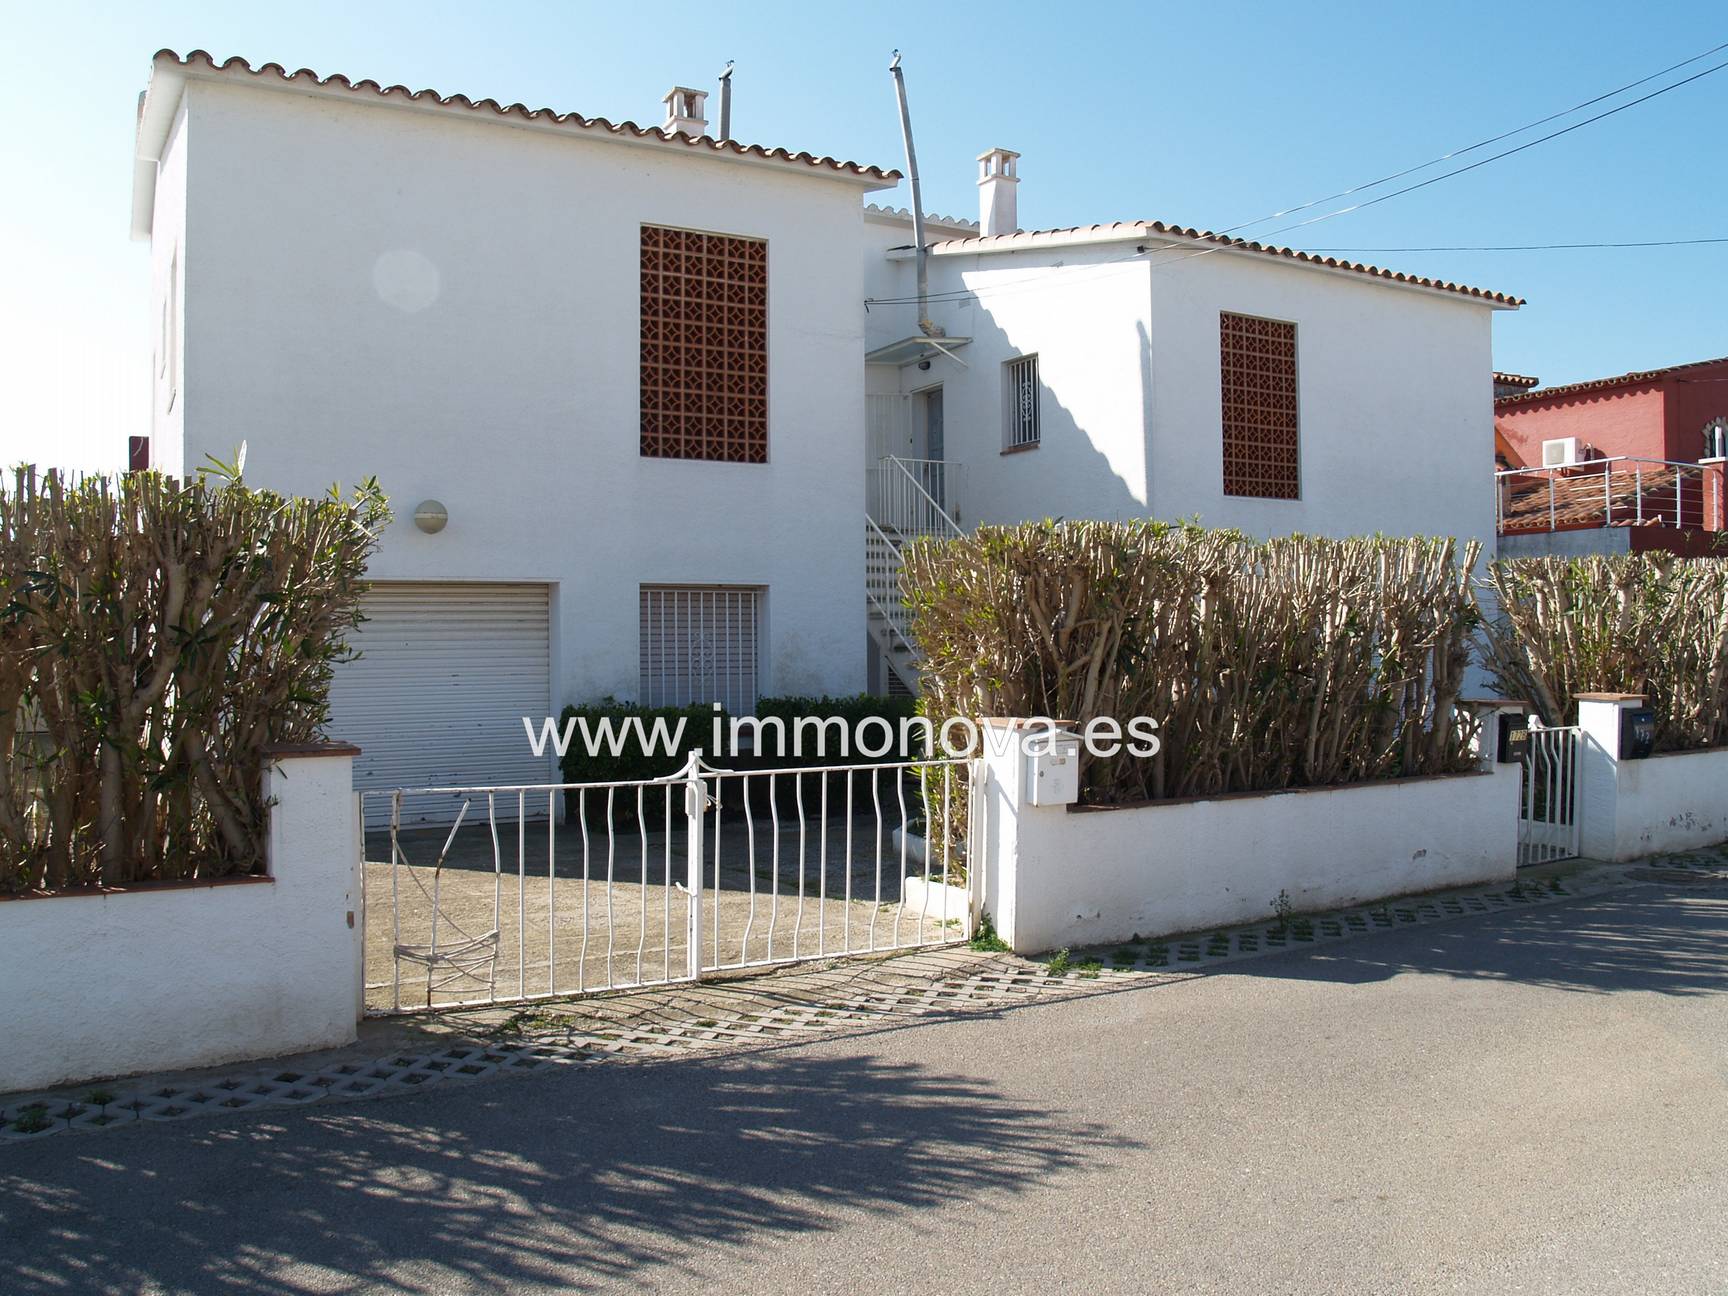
x: 909, y: 499
x: 915, y: 497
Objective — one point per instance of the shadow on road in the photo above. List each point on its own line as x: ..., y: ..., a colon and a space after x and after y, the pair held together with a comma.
x: 1669, y: 941
x: 583, y: 1180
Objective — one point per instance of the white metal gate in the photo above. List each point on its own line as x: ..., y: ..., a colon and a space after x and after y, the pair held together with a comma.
x: 1548, y: 827
x: 653, y: 881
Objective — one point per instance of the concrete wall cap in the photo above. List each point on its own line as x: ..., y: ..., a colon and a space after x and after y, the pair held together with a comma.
x: 311, y: 749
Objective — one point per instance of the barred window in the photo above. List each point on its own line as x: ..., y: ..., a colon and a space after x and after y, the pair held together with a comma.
x: 1020, y: 387
x: 699, y: 644
x: 1261, y: 441
x: 704, y: 346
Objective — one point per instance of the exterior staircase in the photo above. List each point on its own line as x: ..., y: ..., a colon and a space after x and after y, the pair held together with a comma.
x: 908, y: 500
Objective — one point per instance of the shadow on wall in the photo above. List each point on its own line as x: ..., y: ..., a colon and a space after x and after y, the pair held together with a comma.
x: 584, y: 1178
x: 1672, y: 942
x: 1068, y: 476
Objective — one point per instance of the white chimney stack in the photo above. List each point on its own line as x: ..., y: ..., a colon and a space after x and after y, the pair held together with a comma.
x: 998, y: 175
x: 686, y: 112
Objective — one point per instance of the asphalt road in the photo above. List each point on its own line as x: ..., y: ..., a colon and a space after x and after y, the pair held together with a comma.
x: 1531, y: 1102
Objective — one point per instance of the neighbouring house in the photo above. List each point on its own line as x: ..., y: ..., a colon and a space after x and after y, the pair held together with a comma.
x: 1613, y: 465
x: 610, y: 376
x: 1141, y: 369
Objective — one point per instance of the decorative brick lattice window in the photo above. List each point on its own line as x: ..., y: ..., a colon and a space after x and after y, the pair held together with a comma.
x: 1258, y: 366
x: 704, y: 346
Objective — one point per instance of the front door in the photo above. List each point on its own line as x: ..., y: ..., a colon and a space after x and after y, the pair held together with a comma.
x: 931, y: 471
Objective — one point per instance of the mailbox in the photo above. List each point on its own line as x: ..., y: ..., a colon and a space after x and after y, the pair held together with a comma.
x: 1637, y: 732
x: 1513, y: 741
x: 1053, y: 771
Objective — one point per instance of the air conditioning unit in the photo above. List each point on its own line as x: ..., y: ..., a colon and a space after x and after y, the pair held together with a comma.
x: 1561, y: 452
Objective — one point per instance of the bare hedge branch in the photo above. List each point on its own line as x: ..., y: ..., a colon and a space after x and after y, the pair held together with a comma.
x: 1647, y: 623
x: 155, y: 636
x: 1294, y: 662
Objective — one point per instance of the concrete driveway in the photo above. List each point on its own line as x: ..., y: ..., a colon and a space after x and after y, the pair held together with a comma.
x: 1528, y: 1102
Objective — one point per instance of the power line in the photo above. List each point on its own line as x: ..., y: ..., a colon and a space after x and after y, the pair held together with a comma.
x: 1528, y: 247
x: 1471, y: 148
x: 1226, y: 244
x: 1530, y: 144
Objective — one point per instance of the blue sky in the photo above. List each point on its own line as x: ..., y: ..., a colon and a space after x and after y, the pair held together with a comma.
x: 1203, y: 116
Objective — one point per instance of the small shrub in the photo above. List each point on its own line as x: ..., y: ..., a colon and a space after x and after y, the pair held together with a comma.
x: 631, y: 760
x: 1060, y: 962
x: 986, y: 941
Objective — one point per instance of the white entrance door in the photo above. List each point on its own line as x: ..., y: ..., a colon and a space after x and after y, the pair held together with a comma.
x: 446, y: 673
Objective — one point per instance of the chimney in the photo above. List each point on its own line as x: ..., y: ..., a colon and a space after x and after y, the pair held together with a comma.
x: 998, y: 174
x: 685, y: 112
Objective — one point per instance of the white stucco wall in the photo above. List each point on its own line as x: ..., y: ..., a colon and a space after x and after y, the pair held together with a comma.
x: 166, y: 978
x: 1673, y: 801
x: 167, y: 315
x: 452, y: 305
x: 1397, y: 419
x: 1396, y: 415
x: 1052, y: 877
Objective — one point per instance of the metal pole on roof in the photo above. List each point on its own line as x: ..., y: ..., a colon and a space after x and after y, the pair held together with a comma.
x: 726, y: 101
x: 924, y: 323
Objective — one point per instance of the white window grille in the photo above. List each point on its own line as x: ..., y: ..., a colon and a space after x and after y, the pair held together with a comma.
x: 699, y: 645
x: 1022, y: 401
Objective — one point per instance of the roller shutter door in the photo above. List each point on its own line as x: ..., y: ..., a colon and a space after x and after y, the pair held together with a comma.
x: 447, y: 672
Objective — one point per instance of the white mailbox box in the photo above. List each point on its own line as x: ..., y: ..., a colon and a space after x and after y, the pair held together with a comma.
x: 1053, y: 769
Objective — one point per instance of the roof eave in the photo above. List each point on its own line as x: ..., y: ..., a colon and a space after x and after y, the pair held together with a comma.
x: 1155, y: 232
x: 169, y: 74
x: 156, y: 109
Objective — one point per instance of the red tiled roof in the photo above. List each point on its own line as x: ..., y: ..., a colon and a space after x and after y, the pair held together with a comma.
x: 1514, y: 380
x: 1127, y: 229
x: 200, y: 60
x: 1636, y: 378
x: 1590, y: 500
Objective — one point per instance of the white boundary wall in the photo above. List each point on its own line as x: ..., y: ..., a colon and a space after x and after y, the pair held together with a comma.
x: 1054, y: 877
x: 156, y: 979
x: 1670, y: 802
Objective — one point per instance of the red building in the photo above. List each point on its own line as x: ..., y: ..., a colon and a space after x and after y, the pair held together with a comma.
x: 1636, y: 458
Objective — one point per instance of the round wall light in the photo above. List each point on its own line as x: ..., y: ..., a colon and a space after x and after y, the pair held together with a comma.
x: 431, y: 516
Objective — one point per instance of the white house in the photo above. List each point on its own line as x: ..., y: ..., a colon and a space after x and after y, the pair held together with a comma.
x: 616, y: 381
x: 1143, y: 369
x: 621, y: 367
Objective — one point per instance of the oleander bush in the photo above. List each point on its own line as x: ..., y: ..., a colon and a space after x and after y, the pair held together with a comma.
x: 155, y: 636
x: 1648, y: 623
x: 1292, y: 662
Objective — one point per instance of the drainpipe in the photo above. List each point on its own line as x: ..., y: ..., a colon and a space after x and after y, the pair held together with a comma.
x: 928, y: 328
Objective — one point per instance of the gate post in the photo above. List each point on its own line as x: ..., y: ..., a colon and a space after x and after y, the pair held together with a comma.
x: 1599, y: 774
x: 695, y: 808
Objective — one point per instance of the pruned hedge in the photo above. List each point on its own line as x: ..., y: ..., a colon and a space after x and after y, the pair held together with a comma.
x: 1292, y: 662
x: 155, y: 636
x: 1649, y: 623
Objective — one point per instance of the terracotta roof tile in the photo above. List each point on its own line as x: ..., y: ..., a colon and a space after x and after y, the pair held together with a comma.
x: 1636, y: 378
x: 1514, y: 380
x: 1120, y: 229
x: 1589, y: 501
x: 200, y: 60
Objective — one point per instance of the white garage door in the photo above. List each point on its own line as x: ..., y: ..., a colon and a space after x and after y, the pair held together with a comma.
x: 446, y: 673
